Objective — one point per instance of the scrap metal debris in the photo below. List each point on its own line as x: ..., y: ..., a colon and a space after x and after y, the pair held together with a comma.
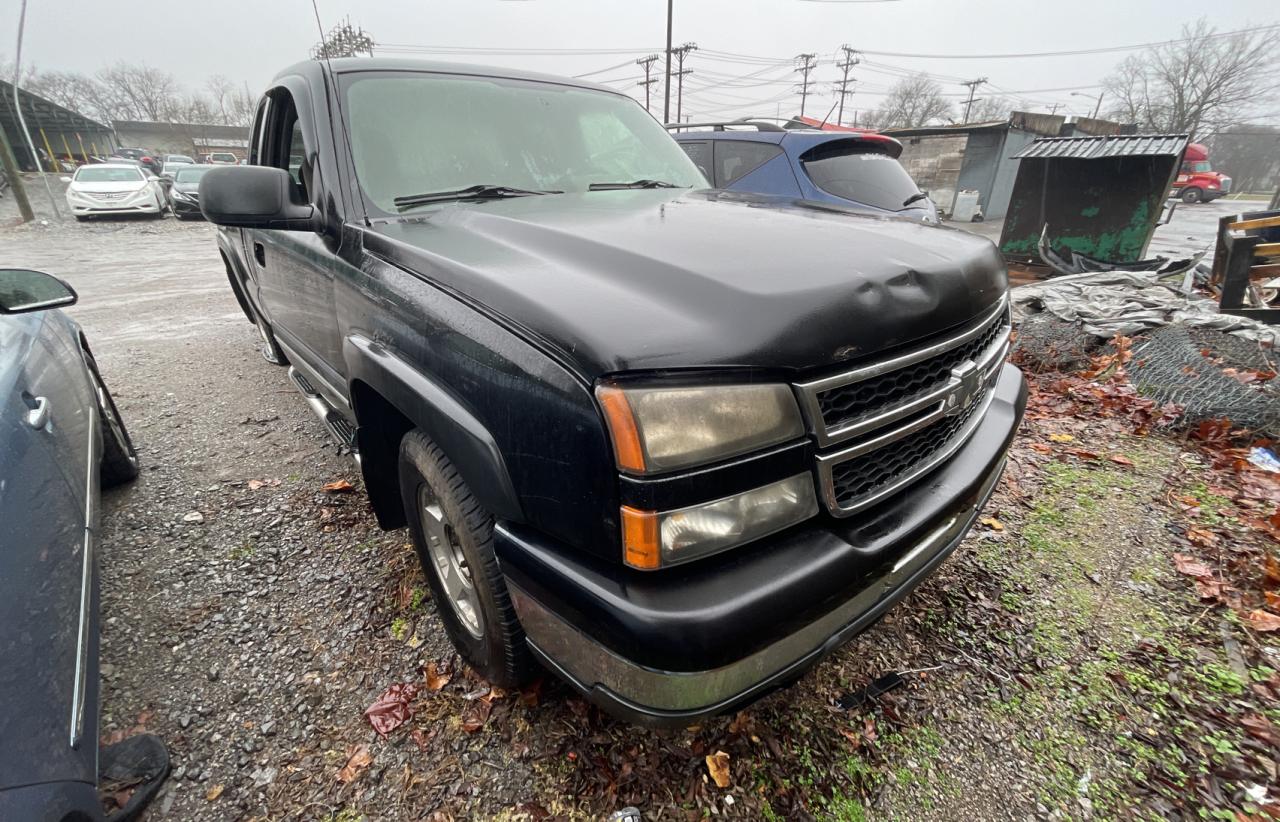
x: 1128, y: 302
x: 1076, y: 263
x: 879, y: 686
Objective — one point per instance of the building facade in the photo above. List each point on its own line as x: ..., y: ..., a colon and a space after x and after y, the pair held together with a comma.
x: 192, y: 139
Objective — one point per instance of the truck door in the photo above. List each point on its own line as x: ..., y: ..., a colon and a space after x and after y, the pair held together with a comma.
x: 296, y: 268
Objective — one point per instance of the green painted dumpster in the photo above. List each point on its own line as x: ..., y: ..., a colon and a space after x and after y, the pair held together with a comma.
x: 1100, y: 196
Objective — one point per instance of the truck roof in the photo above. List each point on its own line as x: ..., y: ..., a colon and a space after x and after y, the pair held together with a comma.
x: 350, y: 65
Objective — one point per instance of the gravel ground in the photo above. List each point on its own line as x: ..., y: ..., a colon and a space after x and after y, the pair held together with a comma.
x: 250, y: 617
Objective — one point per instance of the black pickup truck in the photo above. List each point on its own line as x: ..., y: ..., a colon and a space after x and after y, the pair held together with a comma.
x: 675, y: 444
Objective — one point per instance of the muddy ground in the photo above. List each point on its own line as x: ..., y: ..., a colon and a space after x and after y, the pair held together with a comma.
x: 1055, y: 667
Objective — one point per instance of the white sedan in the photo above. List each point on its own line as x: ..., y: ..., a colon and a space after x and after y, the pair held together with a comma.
x: 114, y: 188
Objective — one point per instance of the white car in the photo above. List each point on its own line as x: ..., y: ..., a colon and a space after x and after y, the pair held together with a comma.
x: 114, y: 188
x: 173, y: 162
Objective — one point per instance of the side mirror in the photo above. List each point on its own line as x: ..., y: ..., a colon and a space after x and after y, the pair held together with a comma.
x: 65, y: 179
x: 22, y: 290
x: 254, y: 197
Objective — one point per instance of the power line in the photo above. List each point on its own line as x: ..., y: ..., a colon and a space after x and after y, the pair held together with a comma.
x: 1103, y: 50
x: 623, y: 64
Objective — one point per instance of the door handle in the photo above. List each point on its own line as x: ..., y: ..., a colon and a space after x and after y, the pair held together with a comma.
x: 260, y: 254
x: 38, y: 416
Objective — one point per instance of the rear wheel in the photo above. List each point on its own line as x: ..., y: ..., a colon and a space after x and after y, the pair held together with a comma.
x: 1192, y: 195
x: 453, y: 536
x: 120, y: 462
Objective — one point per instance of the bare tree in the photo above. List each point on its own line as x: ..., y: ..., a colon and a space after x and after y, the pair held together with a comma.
x: 991, y: 107
x: 1199, y: 85
x: 911, y: 102
x: 142, y: 92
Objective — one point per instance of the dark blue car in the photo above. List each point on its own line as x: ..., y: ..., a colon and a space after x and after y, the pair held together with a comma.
x: 61, y: 438
x: 859, y: 170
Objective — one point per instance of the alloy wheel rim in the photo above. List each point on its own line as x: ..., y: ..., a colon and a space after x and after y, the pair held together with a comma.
x: 449, y: 563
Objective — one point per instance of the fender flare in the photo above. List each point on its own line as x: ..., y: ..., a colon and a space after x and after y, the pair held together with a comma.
x: 438, y: 413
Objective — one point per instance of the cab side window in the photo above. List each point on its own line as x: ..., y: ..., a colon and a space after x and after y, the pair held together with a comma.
x: 738, y: 158
x: 283, y: 145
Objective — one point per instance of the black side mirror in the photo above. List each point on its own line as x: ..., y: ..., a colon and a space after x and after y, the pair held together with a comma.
x: 22, y: 290
x: 254, y: 197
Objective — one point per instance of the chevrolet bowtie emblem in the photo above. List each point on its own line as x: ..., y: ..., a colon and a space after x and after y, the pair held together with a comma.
x: 966, y: 385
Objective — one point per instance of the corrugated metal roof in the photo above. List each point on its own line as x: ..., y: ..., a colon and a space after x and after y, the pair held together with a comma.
x: 1116, y: 145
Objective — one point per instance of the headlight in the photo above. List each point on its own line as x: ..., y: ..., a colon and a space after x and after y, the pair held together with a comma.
x: 652, y: 539
x: 656, y: 429
x: 178, y: 195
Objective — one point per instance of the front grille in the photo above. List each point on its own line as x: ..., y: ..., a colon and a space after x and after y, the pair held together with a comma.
x: 881, y: 426
x: 108, y: 196
x: 862, y: 478
x: 850, y: 403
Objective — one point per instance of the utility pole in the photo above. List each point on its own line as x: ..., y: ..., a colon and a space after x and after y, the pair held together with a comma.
x: 973, y: 86
x: 647, y: 64
x: 15, y: 181
x: 805, y: 65
x: 666, y: 101
x: 1053, y: 109
x: 681, y: 71
x: 22, y: 121
x: 1097, y: 105
x: 850, y: 60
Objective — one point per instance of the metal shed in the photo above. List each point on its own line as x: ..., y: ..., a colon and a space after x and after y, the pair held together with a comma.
x: 1100, y: 196
x: 944, y: 160
x: 58, y: 131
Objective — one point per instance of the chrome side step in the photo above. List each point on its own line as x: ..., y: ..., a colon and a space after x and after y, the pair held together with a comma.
x: 339, y: 426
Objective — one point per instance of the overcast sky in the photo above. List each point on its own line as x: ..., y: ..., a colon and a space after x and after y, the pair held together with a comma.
x: 249, y: 40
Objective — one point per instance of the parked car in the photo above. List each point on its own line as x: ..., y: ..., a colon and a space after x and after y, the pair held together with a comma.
x: 173, y: 162
x: 184, y: 195
x: 61, y: 440
x: 221, y: 158
x: 675, y: 443
x: 148, y: 159
x: 114, y: 188
x: 855, y: 169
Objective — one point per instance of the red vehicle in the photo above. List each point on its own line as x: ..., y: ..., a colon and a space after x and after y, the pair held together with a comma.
x: 1197, y: 182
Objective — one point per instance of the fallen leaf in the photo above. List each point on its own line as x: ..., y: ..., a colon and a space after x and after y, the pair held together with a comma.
x: 437, y: 678
x: 1191, y: 567
x: 194, y: 516
x: 1264, y: 621
x: 1041, y: 448
x: 992, y: 523
x: 1119, y: 460
x: 338, y: 487
x: 531, y: 693
x: 1083, y: 454
x: 1061, y: 438
x: 254, y: 484
x: 1202, y: 537
x: 1273, y: 599
x: 476, y: 715
x: 853, y: 736
x: 393, y: 708
x: 1208, y: 589
x: 214, y: 792
x: 718, y: 767
x: 419, y: 738
x: 1260, y: 728
x: 358, y: 758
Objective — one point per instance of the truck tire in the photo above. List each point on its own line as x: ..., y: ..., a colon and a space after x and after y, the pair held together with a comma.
x: 120, y: 461
x: 1191, y: 195
x: 453, y: 536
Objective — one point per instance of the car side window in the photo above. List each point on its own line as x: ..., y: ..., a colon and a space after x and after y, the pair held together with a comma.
x: 700, y: 153
x: 737, y: 158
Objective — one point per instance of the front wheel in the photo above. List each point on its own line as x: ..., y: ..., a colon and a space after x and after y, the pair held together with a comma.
x: 1191, y: 195
x: 453, y: 536
x: 120, y: 461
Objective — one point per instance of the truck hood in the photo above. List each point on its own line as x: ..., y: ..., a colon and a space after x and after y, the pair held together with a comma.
x: 656, y: 279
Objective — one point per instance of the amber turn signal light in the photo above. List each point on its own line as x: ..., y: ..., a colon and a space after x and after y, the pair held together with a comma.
x: 622, y: 428
x: 641, y: 547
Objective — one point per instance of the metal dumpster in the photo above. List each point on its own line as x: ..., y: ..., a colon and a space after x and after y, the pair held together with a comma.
x: 1100, y: 196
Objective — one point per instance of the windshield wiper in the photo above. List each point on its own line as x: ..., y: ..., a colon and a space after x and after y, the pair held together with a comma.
x: 476, y: 192
x: 632, y: 184
x: 914, y: 198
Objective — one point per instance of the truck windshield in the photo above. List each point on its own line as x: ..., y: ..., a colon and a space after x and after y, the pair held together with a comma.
x: 417, y: 132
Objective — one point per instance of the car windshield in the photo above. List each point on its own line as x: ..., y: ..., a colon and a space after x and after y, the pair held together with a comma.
x: 107, y: 174
x: 416, y: 133
x: 848, y: 170
x: 178, y: 158
x: 190, y: 175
